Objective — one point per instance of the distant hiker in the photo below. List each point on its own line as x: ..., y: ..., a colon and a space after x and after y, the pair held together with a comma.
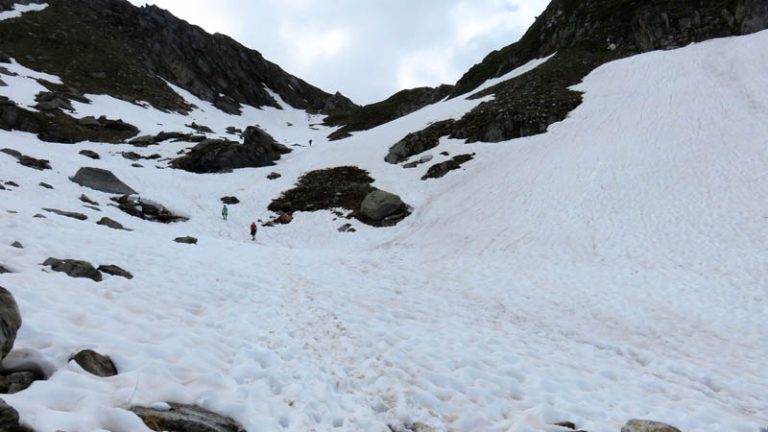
x: 253, y: 231
x: 224, y: 212
x: 310, y: 143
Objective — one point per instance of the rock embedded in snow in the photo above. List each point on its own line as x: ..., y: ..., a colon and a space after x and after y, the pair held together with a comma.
x: 4, y: 270
x: 101, y: 180
x: 10, y: 321
x: 28, y: 161
x: 9, y: 419
x: 647, y: 426
x: 17, y: 381
x: 443, y: 168
x: 46, y: 185
x: 73, y: 215
x: 186, y: 240
x: 95, y: 363
x: 84, y: 198
x: 379, y: 204
x: 147, y: 209
x: 187, y: 418
x: 17, y: 245
x: 274, y: 176
x: 90, y: 154
x: 107, y: 222
x: 418, y: 142
x: 74, y: 268
x: 230, y: 200
x: 115, y: 271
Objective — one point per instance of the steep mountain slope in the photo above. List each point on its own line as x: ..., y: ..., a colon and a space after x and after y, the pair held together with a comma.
x: 611, y: 268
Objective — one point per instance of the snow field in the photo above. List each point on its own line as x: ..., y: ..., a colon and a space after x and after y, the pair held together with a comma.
x: 612, y: 268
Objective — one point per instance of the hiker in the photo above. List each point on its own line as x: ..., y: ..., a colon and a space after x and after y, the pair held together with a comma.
x: 253, y: 231
x: 224, y: 212
x: 310, y: 143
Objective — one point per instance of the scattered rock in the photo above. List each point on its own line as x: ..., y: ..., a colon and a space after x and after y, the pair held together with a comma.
x: 418, y: 142
x: 284, y: 218
x: 46, y: 185
x: 274, y: 176
x: 84, y: 198
x: 187, y: 418
x: 115, y: 271
x: 28, y: 161
x: 186, y: 240
x: 73, y: 215
x: 445, y: 153
x: 4, y: 270
x: 347, y: 228
x: 39, y: 216
x: 17, y: 245
x: 647, y: 426
x: 74, y: 268
x: 146, y: 209
x: 210, y: 156
x: 379, y: 205
x: 143, y: 141
x: 17, y: 381
x: 90, y: 153
x: 566, y: 424
x: 412, y: 427
x: 11, y: 184
x: 230, y: 200
x: 101, y: 180
x: 443, y: 168
x: 234, y: 131
x: 9, y: 419
x: 131, y: 156
x: 137, y: 165
x: 199, y: 128
x: 51, y: 101
x: 10, y: 321
x: 107, y: 222
x: 95, y: 363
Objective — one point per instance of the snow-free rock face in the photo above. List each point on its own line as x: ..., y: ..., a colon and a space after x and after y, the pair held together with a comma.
x: 127, y: 52
x: 10, y: 321
x: 101, y: 180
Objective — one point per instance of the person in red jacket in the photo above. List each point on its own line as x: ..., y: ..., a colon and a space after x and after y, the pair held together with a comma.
x: 253, y: 231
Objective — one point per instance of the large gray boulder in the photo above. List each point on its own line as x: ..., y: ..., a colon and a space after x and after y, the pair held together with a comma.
x: 379, y: 205
x: 74, y: 268
x: 101, y: 180
x: 10, y: 321
x: 647, y: 426
x: 187, y: 418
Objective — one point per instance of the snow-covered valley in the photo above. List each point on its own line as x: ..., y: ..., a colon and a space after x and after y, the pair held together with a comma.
x: 615, y: 267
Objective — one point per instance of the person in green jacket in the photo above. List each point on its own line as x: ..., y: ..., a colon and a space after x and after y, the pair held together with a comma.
x: 224, y: 212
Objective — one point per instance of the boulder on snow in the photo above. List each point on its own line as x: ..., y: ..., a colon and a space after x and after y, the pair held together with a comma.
x: 187, y: 418
x: 274, y: 176
x: 45, y: 185
x: 101, y: 180
x: 90, y: 154
x: 10, y: 321
x: 17, y: 245
x: 95, y: 363
x: 73, y: 215
x: 28, y: 161
x: 636, y: 425
x: 17, y: 381
x: 107, y: 222
x: 379, y: 205
x: 4, y: 270
x: 230, y: 200
x: 9, y: 419
x: 115, y: 271
x: 186, y: 240
x: 74, y: 268
x: 443, y: 168
x: 146, y: 209
x: 210, y: 156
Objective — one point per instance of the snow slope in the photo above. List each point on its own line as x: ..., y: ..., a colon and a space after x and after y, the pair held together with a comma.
x: 612, y: 268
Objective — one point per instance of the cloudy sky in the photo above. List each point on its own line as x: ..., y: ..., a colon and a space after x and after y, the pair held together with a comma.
x: 367, y: 49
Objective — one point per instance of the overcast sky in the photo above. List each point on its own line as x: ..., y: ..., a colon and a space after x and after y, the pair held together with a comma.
x: 367, y: 49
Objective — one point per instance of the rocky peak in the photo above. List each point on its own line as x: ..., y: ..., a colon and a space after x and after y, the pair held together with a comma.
x: 112, y: 47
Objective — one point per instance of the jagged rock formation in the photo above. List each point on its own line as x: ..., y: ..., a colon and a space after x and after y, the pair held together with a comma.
x: 585, y: 34
x: 126, y: 52
x: 400, y: 104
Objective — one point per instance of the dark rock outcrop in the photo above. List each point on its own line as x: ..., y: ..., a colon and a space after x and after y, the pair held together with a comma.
x: 73, y: 215
x: 396, y: 106
x: 101, y: 180
x: 90, y: 154
x: 418, y: 142
x: 230, y: 200
x: 28, y: 161
x: 95, y: 363
x: 187, y: 418
x: 10, y: 321
x: 74, y: 268
x: 258, y: 149
x: 107, y: 222
x: 127, y: 52
x: 115, y: 271
x: 443, y: 168
x: 146, y: 209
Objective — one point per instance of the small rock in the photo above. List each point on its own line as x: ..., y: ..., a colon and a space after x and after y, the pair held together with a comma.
x: 73, y: 215
x: 46, y: 185
x: 95, y: 363
x: 39, y: 216
x: 199, y: 128
x: 17, y: 245
x: 284, y: 218
x: 107, y: 222
x: 187, y: 418
x: 84, y: 198
x: 137, y: 165
x: 91, y: 154
x: 131, y: 155
x: 230, y: 200
x: 115, y: 271
x: 3, y: 270
x: 647, y: 426
x: 413, y: 164
x: 11, y: 184
x: 445, y: 153
x: 10, y: 321
x: 346, y: 228
x: 74, y: 268
x: 186, y: 240
x: 274, y: 176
